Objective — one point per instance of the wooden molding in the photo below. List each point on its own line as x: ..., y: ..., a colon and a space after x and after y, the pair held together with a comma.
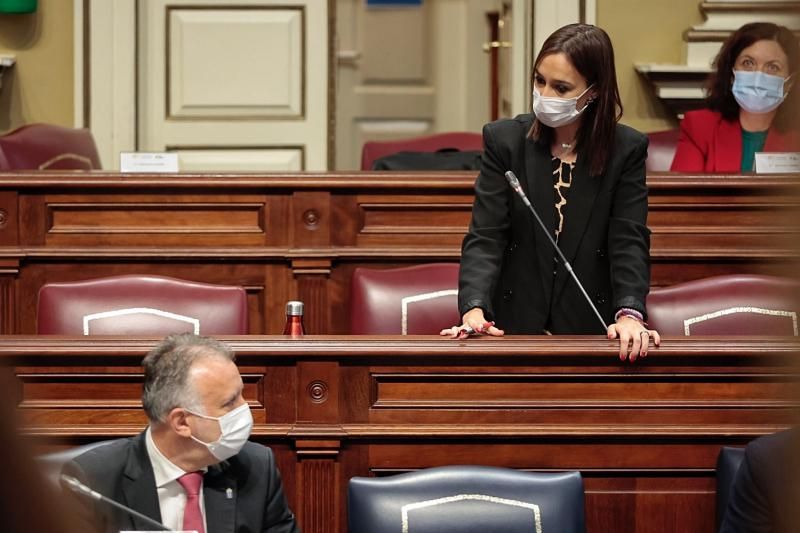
x: 373, y: 180
x: 750, y: 7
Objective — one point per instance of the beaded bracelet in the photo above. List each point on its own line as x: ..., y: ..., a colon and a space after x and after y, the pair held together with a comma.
x: 630, y: 313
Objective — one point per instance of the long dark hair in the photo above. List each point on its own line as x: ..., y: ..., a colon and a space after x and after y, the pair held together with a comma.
x: 720, y: 90
x: 589, y: 50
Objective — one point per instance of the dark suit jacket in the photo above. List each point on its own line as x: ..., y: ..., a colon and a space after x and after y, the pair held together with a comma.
x: 507, y: 264
x: 708, y: 143
x: 766, y: 493
x: 122, y: 471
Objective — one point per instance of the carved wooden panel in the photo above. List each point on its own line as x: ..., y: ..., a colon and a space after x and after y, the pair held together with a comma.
x: 154, y: 218
x: 413, y: 219
x: 574, y: 390
x: 318, y: 495
x: 319, y: 399
x: 8, y: 303
x: 141, y: 220
x: 94, y: 390
x: 9, y: 218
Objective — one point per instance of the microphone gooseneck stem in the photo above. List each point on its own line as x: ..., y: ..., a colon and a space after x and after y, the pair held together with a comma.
x: 514, y: 182
x: 79, y: 488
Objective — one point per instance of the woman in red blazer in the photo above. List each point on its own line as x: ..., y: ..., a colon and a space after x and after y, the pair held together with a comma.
x: 751, y: 105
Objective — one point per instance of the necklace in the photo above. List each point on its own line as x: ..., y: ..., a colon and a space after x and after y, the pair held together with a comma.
x: 565, y: 149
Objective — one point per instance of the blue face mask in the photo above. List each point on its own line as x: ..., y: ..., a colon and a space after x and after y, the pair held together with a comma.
x: 758, y: 92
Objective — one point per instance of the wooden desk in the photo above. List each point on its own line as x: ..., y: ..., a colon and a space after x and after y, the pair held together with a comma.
x: 645, y: 436
x: 300, y: 236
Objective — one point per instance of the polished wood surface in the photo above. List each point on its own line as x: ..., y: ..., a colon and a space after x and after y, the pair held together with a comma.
x: 300, y: 236
x: 644, y: 436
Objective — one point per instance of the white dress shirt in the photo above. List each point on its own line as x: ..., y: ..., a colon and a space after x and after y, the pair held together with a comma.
x: 171, y: 496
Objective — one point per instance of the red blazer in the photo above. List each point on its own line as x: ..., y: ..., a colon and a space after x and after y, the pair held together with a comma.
x: 708, y: 143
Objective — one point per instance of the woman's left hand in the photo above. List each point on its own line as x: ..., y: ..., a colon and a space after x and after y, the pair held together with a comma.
x: 634, y: 338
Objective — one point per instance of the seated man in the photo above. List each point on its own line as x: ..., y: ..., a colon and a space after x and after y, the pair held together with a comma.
x: 764, y: 497
x: 193, y: 467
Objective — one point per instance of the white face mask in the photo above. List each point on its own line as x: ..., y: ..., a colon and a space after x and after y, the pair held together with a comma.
x: 758, y: 92
x: 235, y: 428
x: 555, y: 112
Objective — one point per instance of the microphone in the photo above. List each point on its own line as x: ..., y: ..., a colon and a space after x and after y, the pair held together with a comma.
x: 514, y: 182
x: 79, y: 488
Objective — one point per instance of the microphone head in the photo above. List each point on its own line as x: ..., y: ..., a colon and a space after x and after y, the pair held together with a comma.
x: 70, y: 482
x: 512, y: 179
x: 74, y: 485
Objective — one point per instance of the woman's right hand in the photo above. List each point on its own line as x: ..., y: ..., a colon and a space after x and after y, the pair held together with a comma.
x: 473, y: 320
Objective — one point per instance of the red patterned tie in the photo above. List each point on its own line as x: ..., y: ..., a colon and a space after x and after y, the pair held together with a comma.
x: 192, y: 517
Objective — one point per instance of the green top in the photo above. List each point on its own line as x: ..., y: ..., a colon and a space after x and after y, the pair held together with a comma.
x: 752, y: 142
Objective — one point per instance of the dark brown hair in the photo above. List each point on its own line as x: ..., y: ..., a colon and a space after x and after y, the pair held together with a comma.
x: 589, y: 50
x: 720, y: 90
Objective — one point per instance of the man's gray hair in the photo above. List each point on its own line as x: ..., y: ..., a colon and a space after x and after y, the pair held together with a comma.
x: 166, y: 373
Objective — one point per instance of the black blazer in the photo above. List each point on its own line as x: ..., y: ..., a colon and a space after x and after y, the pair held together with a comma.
x: 508, y: 267
x: 765, y: 497
x: 122, y: 471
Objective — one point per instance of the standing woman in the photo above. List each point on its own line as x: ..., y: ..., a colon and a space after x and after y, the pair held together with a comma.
x: 585, y: 175
x: 751, y: 105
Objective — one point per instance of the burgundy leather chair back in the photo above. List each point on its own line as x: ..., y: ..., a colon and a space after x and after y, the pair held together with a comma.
x: 141, y: 305
x: 417, y: 300
x: 464, y: 141
x: 726, y: 305
x: 48, y: 147
x: 661, y: 150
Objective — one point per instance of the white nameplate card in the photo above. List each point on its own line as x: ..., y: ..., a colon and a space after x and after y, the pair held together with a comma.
x: 777, y: 162
x: 148, y: 162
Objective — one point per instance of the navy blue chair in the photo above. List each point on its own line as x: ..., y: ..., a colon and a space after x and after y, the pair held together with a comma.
x: 467, y: 499
x: 728, y: 462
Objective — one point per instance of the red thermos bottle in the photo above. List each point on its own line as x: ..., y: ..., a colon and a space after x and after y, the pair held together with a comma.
x: 294, y: 319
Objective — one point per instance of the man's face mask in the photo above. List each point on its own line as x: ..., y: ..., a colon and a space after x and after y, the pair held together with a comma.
x: 235, y: 428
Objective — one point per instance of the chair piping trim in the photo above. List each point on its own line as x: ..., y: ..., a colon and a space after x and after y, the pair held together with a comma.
x: 733, y: 310
x: 144, y: 310
x: 537, y: 517
x: 419, y: 298
x: 61, y: 157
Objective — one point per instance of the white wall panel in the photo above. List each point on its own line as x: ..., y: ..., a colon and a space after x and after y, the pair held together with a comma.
x: 233, y: 63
